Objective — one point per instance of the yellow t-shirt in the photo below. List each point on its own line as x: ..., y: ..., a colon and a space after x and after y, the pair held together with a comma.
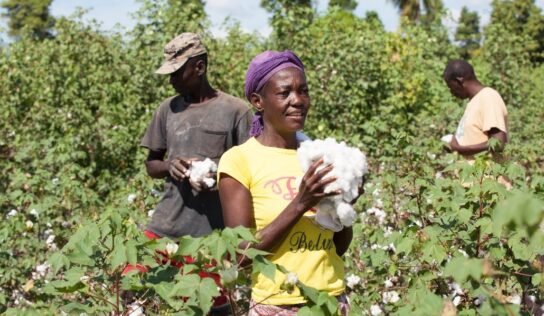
x: 270, y: 174
x: 486, y: 110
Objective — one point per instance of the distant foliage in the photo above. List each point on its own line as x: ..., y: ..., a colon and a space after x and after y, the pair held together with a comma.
x: 28, y: 16
x: 348, y: 5
x: 468, y: 33
x: 521, y: 18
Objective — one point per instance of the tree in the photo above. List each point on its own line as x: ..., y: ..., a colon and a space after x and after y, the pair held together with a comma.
x: 348, y: 5
x: 373, y: 18
x: 418, y: 10
x: 28, y: 16
x: 468, y: 33
x: 523, y: 18
x: 288, y: 18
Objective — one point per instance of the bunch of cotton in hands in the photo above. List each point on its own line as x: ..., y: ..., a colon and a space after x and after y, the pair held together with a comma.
x: 349, y: 165
x: 199, y: 171
x: 447, y: 138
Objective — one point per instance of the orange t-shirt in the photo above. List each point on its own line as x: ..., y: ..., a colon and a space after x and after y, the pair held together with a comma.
x: 486, y: 110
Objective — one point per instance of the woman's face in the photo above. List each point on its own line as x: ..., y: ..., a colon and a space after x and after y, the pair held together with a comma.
x: 285, y: 100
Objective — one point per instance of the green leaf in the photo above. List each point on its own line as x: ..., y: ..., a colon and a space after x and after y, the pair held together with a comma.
x: 433, y: 252
x: 405, y: 245
x: 317, y: 310
x: 464, y: 215
x: 119, y: 253
x: 206, y: 291
x: 57, y: 261
x: 536, y: 279
x: 461, y: 268
x: 245, y: 233
x: 262, y: 265
x: 187, y: 285
x: 189, y: 246
x: 305, y: 311
x: 131, y: 251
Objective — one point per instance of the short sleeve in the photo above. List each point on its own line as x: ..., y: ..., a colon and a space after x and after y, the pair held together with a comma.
x: 233, y: 163
x: 155, y: 135
x: 493, y: 112
x: 243, y: 126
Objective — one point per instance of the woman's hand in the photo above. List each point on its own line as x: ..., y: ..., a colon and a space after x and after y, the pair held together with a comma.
x: 312, y: 186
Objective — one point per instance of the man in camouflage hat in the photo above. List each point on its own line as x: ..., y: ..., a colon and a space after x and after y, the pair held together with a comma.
x: 199, y: 122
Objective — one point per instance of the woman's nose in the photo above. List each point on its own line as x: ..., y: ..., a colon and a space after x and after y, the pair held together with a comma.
x: 298, y: 99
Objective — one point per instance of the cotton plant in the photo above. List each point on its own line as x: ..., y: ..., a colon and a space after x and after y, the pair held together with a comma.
x: 349, y: 166
x: 199, y: 171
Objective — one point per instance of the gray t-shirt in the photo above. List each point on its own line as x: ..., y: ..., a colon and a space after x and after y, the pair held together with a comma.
x: 203, y: 130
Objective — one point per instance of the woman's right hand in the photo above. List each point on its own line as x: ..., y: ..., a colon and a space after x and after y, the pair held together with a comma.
x: 312, y: 186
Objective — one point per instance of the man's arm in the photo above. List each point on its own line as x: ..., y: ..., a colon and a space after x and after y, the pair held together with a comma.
x: 481, y: 147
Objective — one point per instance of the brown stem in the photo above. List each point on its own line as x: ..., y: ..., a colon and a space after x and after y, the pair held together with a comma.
x: 522, y: 274
x: 102, y: 299
x: 117, y: 293
x: 239, y: 262
x: 233, y: 307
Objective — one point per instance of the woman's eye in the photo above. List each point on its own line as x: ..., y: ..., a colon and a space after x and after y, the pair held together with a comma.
x: 284, y: 94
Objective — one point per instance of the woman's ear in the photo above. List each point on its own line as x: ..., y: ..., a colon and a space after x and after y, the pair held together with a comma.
x: 257, y: 101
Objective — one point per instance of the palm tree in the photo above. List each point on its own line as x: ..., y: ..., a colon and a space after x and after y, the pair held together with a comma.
x: 412, y: 9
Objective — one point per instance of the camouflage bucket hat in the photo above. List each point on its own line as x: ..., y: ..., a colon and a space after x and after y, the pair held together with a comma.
x: 179, y: 50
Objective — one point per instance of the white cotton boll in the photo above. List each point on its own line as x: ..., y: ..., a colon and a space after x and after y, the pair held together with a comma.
x: 447, y: 138
x: 464, y: 253
x: 199, y: 170
x: 390, y: 297
x: 34, y: 213
x: 375, y: 310
x: 41, y: 271
x: 50, y: 240
x: 291, y: 278
x: 457, y: 300
x: 349, y: 166
x: 131, y: 197
x: 346, y: 214
x: 455, y: 288
x: 326, y: 216
x: 387, y: 232
x: 379, y: 214
x: 150, y: 213
x: 171, y: 248
x: 352, y: 281
x: 209, y: 182
x: 29, y: 224
x: 388, y: 283
x: 515, y: 299
x: 12, y: 213
x: 136, y: 309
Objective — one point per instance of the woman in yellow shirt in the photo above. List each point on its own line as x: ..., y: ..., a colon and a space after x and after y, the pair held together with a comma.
x: 261, y: 185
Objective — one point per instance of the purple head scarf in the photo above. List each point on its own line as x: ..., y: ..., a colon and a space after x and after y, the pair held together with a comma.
x: 261, y: 68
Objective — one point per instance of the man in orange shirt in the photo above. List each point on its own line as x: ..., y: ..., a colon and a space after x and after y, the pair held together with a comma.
x: 485, y: 115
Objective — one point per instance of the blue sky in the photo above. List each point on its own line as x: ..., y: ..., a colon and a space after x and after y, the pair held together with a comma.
x: 251, y: 16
